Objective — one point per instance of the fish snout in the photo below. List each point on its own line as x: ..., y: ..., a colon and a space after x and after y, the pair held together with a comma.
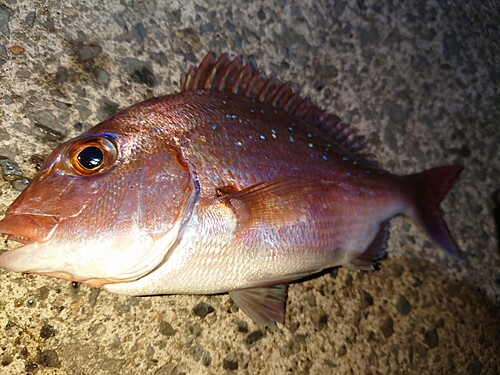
x: 26, y: 229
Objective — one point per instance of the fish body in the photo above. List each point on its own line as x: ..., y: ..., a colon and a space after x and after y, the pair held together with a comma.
x: 236, y: 184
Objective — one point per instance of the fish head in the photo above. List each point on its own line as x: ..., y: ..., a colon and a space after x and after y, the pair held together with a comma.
x: 105, y: 207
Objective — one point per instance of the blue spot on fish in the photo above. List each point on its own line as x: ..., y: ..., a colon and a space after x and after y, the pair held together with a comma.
x: 273, y: 131
x: 309, y: 135
x: 262, y: 136
x: 348, y: 174
x: 239, y: 144
x: 214, y: 126
x: 325, y: 158
x: 345, y: 158
x: 291, y: 139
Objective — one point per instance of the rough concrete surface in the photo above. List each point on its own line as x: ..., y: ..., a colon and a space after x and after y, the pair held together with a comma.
x: 419, y: 78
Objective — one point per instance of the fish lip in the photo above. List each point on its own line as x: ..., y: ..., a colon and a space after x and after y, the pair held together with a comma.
x: 28, y: 228
x: 18, y: 238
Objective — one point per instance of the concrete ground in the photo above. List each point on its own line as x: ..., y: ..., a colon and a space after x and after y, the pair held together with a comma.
x: 420, y: 80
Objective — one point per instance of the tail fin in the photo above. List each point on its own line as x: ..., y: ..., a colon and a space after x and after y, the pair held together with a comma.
x: 430, y: 188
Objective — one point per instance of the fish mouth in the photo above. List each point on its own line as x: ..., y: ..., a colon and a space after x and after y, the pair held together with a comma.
x: 27, y: 228
x: 32, y: 232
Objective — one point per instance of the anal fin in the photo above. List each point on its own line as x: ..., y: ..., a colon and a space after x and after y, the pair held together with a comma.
x: 368, y: 260
x: 265, y: 305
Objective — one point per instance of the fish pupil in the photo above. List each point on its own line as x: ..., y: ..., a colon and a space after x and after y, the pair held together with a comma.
x: 90, y: 157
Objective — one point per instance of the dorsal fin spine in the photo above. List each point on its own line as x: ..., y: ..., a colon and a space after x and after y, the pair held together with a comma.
x: 261, y: 97
x: 234, y: 70
x: 279, y: 94
x: 219, y: 70
x: 235, y: 63
x: 209, y: 79
x: 196, y: 82
x: 204, y: 66
x: 249, y: 85
x: 237, y: 83
x: 290, y: 101
x: 300, y: 107
x: 276, y: 94
x: 216, y: 70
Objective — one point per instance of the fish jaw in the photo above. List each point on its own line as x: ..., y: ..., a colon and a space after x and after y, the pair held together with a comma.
x: 115, y: 258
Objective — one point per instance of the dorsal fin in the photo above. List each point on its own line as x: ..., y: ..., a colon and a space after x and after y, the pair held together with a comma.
x: 224, y: 74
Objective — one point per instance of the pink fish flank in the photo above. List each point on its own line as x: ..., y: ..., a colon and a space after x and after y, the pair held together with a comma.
x: 236, y: 184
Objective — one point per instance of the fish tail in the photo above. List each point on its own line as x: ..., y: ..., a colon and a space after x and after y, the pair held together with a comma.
x: 430, y: 189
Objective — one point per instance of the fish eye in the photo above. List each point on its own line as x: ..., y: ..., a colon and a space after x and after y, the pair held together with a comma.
x: 92, y: 155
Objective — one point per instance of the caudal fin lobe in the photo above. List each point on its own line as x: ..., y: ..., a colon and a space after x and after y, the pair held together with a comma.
x: 430, y: 189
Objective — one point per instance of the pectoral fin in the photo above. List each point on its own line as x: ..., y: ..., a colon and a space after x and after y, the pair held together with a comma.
x: 266, y: 305
x: 280, y: 202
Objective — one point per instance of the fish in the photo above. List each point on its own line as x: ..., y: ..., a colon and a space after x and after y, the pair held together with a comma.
x: 236, y: 184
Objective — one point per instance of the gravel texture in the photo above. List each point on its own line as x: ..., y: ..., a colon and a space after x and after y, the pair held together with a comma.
x: 419, y: 78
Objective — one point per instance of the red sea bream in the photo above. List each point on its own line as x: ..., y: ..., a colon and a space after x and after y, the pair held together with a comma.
x: 236, y: 184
